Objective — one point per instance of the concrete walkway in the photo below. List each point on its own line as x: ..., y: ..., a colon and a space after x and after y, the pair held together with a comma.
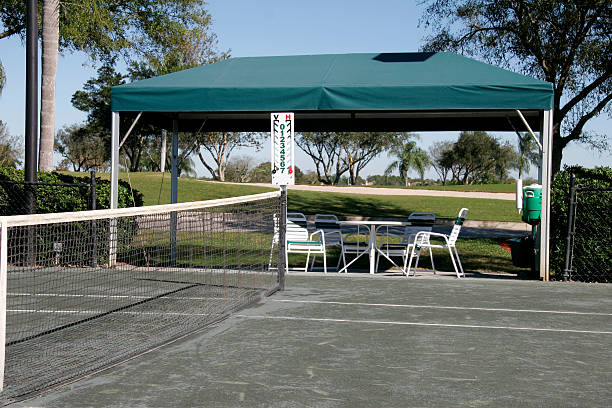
x: 389, y: 191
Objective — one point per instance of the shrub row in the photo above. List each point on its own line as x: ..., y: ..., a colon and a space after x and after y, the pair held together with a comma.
x: 52, y: 199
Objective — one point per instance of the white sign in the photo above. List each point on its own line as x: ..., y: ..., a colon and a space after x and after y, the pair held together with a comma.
x: 283, y: 170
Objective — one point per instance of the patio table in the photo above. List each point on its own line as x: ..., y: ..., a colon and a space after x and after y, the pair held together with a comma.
x: 372, y: 226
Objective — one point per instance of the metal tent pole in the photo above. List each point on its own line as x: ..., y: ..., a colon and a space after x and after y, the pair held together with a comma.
x: 174, y: 190
x: 545, y: 180
x: 114, y: 180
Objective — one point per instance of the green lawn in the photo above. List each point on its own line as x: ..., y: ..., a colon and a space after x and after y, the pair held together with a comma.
x: 156, y: 190
x: 312, y: 202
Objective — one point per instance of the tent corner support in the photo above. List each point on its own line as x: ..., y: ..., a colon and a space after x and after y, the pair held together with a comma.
x: 114, y: 165
x: 546, y: 171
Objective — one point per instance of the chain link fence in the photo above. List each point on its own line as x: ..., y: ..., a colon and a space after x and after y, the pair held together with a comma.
x: 588, y: 252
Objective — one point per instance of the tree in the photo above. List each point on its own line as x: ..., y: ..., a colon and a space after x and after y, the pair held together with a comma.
x: 421, y: 163
x: 325, y: 149
x: 564, y: 42
x: 505, y: 160
x: 239, y: 169
x: 10, y: 148
x: 437, y: 152
x: 477, y: 157
x: 528, y: 154
x: 361, y: 147
x: 408, y: 156
x: 220, y: 146
x: 2, y: 78
x: 81, y: 148
x: 335, y: 153
x: 50, y: 47
x: 135, y: 29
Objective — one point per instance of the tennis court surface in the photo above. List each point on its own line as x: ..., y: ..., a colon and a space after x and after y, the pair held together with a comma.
x: 350, y: 341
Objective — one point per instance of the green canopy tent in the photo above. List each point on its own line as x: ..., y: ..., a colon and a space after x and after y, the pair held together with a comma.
x: 346, y: 92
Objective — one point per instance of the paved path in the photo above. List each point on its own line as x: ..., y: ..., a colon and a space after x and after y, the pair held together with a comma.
x: 397, y: 191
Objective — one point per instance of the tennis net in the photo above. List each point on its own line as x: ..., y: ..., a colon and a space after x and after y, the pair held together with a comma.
x: 83, y: 291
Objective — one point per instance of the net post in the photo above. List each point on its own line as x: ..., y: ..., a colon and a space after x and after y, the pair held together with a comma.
x: 282, y: 228
x: 3, y: 288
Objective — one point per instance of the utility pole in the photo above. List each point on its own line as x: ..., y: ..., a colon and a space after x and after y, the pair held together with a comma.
x: 31, y: 121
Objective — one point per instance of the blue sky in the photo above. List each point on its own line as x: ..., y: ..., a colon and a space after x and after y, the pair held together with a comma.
x: 273, y: 27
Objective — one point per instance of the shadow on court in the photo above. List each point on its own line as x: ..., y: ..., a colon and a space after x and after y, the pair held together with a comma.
x: 346, y: 341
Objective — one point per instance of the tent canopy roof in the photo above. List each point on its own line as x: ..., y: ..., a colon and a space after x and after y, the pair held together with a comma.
x: 388, y: 91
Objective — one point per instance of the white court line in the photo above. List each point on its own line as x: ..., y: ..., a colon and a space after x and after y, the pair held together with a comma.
x: 465, y: 326
x: 489, y: 309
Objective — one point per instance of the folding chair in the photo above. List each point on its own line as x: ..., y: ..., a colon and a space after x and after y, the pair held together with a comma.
x: 422, y: 240
x: 300, y: 242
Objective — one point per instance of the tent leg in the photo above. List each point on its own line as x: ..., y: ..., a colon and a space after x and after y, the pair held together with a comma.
x: 114, y: 159
x: 162, y: 161
x: 545, y: 181
x: 174, y: 191
x: 114, y: 193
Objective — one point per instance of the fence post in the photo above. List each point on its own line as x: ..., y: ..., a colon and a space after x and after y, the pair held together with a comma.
x: 94, y: 225
x: 570, y: 228
x: 282, y: 227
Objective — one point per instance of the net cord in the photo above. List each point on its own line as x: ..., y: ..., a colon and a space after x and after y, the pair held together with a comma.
x: 57, y: 218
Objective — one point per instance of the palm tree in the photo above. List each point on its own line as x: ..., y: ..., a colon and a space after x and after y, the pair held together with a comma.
x: 50, y: 50
x: 527, y: 153
x: 420, y: 163
x: 405, y: 151
x: 2, y: 77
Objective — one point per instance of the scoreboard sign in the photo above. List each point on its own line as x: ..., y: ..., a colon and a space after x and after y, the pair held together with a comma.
x: 283, y: 170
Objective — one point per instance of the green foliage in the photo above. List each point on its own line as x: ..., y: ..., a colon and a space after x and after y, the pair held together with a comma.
x: 477, y: 157
x: 408, y: 156
x: 10, y: 148
x: 336, y: 153
x: 82, y: 148
x: 53, y: 199
x: 598, y: 243
x: 565, y: 42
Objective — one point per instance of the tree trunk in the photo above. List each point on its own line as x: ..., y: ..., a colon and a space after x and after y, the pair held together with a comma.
x: 557, y: 151
x: 50, y: 50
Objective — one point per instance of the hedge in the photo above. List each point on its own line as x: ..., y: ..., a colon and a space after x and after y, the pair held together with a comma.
x: 52, y: 199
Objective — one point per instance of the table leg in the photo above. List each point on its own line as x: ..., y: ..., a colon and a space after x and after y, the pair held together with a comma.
x: 372, y: 243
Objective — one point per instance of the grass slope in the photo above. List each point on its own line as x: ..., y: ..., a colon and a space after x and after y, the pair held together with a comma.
x: 156, y: 190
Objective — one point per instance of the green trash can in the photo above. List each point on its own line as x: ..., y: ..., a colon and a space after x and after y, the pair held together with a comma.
x: 522, y: 252
x: 532, y: 204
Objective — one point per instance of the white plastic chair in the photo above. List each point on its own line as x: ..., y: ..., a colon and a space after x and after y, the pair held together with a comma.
x: 422, y: 240
x: 328, y: 223
x: 402, y: 247
x: 297, y: 240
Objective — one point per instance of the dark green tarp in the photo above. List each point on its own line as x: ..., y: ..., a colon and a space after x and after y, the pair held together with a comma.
x: 344, y: 82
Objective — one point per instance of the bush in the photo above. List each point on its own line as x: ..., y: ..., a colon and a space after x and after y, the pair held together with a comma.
x: 52, y: 199
x: 598, y: 243
x: 84, y: 243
